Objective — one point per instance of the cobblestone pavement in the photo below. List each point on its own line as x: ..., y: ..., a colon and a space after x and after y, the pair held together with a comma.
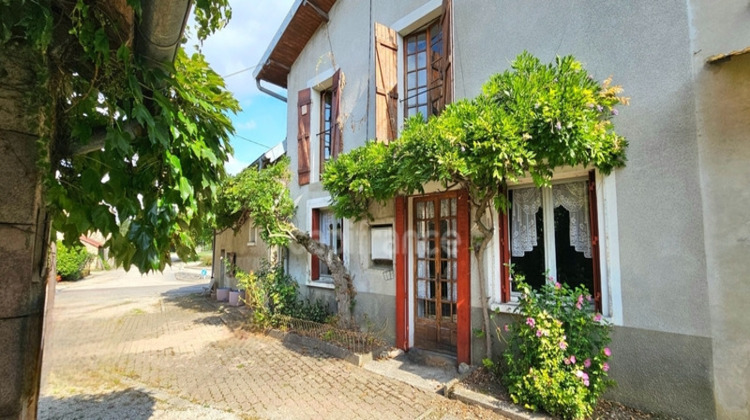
x: 173, y: 356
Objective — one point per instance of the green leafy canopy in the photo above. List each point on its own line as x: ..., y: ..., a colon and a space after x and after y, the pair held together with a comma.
x: 527, y: 121
x: 157, y: 137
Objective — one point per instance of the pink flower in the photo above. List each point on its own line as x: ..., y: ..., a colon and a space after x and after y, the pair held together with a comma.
x: 586, y: 382
x: 607, y: 351
x: 506, y: 328
x: 588, y: 298
x: 585, y: 376
x: 615, y: 112
x: 563, y: 345
x: 605, y: 367
x: 530, y: 322
x: 597, y: 317
x: 578, y: 306
x: 551, y: 279
x: 579, y: 373
x: 587, y: 363
x: 558, y: 285
x: 566, y: 360
x: 538, y: 333
x: 572, y: 359
x: 580, y: 299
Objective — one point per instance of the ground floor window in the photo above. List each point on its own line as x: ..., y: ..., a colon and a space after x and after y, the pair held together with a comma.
x: 328, y: 230
x: 553, y: 232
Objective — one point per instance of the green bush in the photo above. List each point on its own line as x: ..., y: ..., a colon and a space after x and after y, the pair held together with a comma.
x: 271, y: 292
x: 556, y: 359
x: 71, y: 261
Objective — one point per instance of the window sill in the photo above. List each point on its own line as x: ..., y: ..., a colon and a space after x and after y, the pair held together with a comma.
x: 323, y: 283
x: 504, y: 308
x: 251, y: 244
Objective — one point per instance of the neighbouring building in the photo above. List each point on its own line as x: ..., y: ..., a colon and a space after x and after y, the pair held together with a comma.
x: 242, y: 249
x: 664, y: 243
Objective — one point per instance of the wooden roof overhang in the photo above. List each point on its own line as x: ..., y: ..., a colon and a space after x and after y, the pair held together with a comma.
x: 304, y: 18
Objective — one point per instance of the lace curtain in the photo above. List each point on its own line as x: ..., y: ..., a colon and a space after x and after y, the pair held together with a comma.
x: 526, y: 203
x: 575, y: 199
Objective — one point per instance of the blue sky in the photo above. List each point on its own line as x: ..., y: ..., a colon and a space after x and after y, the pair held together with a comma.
x: 238, y: 47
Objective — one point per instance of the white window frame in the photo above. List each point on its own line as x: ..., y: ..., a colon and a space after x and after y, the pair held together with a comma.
x: 323, y: 203
x: 405, y: 26
x: 252, y: 235
x: 609, y: 251
x: 321, y: 82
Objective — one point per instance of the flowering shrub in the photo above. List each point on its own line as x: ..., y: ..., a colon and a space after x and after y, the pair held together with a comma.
x: 557, y: 353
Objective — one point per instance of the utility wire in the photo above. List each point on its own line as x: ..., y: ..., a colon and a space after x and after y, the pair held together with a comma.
x: 251, y: 141
x: 239, y: 71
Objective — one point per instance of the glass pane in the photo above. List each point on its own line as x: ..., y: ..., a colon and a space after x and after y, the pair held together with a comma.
x: 412, y: 101
x: 431, y: 270
x: 446, y: 311
x: 421, y: 249
x: 421, y: 42
x: 421, y: 269
x: 411, y: 45
x: 443, y: 269
x: 420, y: 210
x: 431, y: 290
x: 422, y: 81
x: 430, y: 310
x: 573, y: 268
x: 445, y: 210
x: 532, y: 264
x: 430, y: 206
x: 420, y: 308
x: 411, y: 64
x: 422, y: 99
x: 432, y: 249
x: 422, y: 61
x: 454, y: 271
x: 421, y: 289
x: 453, y: 206
x: 423, y: 110
x: 411, y: 80
x: 412, y: 112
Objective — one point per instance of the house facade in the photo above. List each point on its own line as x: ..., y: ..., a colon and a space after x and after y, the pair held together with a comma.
x: 662, y: 243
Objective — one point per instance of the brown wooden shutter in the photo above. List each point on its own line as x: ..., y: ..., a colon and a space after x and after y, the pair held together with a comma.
x: 303, y: 136
x: 446, y: 24
x: 337, y: 144
x: 594, y: 224
x: 504, y: 241
x: 315, y: 235
x: 386, y: 82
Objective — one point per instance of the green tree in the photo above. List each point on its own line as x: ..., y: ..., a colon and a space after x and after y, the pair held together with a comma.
x: 528, y: 120
x: 102, y: 127
x: 262, y: 196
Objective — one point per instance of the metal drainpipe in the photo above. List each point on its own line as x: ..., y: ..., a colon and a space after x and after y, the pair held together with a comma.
x: 269, y: 92
x: 159, y: 32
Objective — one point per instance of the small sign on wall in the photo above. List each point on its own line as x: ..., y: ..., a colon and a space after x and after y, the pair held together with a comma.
x: 381, y: 244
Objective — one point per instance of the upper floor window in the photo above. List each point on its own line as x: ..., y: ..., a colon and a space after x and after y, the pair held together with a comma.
x: 326, y: 98
x: 424, y: 71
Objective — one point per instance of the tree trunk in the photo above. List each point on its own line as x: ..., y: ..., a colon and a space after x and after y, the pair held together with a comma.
x: 342, y: 279
x: 479, y: 250
x: 24, y: 229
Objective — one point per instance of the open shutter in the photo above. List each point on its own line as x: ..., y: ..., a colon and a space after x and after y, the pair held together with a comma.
x: 386, y: 82
x: 337, y: 144
x: 315, y: 235
x: 504, y: 240
x: 594, y: 229
x: 303, y: 136
x: 447, y: 29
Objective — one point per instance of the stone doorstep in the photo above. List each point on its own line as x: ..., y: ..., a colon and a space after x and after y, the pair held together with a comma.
x: 515, y: 412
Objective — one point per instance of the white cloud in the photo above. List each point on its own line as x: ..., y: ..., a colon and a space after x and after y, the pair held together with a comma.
x: 242, y: 43
x: 234, y: 166
x: 247, y: 125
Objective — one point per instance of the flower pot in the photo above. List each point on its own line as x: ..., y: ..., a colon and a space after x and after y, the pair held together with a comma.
x: 222, y: 294
x: 234, y: 298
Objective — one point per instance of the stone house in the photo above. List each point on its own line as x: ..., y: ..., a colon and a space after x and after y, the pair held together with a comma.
x: 662, y: 243
x: 243, y: 249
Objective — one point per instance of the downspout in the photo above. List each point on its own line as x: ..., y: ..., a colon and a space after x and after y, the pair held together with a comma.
x: 159, y: 32
x: 269, y: 92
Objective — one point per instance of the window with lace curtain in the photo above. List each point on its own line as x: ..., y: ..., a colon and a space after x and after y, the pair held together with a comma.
x: 552, y: 232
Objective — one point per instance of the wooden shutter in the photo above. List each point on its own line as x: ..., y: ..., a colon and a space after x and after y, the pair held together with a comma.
x: 386, y: 82
x: 337, y: 144
x: 447, y: 28
x: 315, y: 235
x: 402, y: 286
x: 504, y: 241
x: 303, y: 136
x: 594, y: 224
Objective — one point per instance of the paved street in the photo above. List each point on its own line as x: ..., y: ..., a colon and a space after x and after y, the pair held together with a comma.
x: 140, y: 347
